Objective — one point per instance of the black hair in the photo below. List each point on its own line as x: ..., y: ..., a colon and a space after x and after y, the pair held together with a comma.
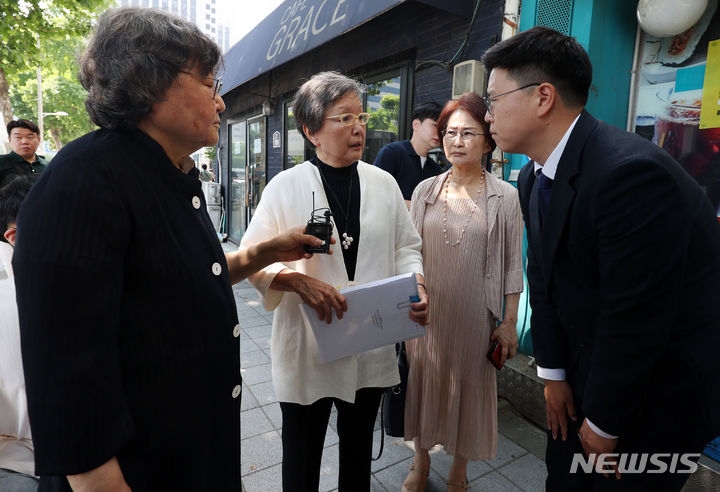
x: 541, y: 54
x: 426, y: 110
x: 21, y: 123
x: 11, y: 197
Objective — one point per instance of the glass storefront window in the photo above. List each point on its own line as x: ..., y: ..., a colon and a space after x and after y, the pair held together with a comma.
x: 247, y: 172
x: 257, y: 176
x: 384, y: 101
x: 295, y: 143
x: 238, y: 163
x: 383, y: 104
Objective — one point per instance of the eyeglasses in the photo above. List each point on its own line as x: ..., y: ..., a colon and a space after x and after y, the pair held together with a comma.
x: 490, y: 100
x: 217, y: 82
x: 348, y: 119
x: 465, y: 136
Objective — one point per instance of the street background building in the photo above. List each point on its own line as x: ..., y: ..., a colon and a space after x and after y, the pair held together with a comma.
x: 412, y: 51
x: 202, y: 13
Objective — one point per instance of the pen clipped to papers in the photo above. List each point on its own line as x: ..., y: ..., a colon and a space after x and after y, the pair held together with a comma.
x: 377, y: 315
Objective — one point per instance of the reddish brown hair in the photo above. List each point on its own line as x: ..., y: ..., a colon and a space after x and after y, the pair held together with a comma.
x: 472, y: 104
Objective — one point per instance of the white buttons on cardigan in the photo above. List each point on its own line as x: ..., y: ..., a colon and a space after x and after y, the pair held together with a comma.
x: 196, y: 202
x: 216, y: 269
x: 236, y: 391
x: 236, y: 331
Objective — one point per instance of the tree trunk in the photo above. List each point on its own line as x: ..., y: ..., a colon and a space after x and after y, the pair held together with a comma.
x: 5, y: 103
x: 55, y: 135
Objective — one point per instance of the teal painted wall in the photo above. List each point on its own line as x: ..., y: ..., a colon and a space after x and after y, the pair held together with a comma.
x: 607, y: 30
x: 610, y: 42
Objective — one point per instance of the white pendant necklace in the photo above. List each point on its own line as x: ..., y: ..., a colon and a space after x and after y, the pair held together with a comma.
x: 346, y: 238
x: 472, y: 210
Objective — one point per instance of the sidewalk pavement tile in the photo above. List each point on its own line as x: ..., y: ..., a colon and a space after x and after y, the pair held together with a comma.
x: 518, y: 465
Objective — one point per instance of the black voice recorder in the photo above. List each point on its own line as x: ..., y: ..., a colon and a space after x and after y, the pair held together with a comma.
x: 321, y: 227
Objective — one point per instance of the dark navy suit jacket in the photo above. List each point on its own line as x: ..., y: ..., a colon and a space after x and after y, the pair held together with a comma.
x: 624, y: 282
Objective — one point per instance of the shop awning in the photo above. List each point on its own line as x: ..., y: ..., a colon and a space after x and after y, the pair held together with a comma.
x: 298, y: 26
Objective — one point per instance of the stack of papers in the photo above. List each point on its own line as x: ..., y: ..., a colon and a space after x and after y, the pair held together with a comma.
x: 377, y: 315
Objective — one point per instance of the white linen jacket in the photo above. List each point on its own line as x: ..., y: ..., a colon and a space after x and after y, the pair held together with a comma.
x: 388, y: 245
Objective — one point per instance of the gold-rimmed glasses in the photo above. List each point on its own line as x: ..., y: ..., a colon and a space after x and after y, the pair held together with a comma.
x: 465, y: 135
x: 348, y: 119
x: 217, y: 82
x: 490, y: 100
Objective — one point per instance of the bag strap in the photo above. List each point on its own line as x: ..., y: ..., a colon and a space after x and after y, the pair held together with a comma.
x: 382, y: 429
x: 399, y: 347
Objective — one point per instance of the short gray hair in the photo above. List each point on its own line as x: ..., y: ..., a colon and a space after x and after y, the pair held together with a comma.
x: 134, y: 57
x: 315, y: 95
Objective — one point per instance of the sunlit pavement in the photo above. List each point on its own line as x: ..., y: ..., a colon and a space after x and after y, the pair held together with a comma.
x: 518, y: 466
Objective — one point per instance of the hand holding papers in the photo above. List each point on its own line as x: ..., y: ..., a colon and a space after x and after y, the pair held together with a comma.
x: 377, y: 315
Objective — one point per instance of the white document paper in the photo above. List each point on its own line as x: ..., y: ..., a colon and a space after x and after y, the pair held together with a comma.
x: 377, y: 315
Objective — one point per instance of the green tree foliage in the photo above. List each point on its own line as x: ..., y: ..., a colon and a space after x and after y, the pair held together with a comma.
x: 47, y: 34
x: 211, y: 154
x: 61, y: 92
x: 386, y: 118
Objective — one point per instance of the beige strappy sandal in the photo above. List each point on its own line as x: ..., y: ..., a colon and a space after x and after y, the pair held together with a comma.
x: 463, y: 485
x: 415, y: 485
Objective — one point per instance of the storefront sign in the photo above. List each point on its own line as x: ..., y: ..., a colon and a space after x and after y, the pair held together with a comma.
x: 296, y: 27
x: 304, y: 19
x: 710, y: 113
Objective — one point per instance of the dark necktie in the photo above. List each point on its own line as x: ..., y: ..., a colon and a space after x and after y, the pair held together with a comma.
x: 544, y: 189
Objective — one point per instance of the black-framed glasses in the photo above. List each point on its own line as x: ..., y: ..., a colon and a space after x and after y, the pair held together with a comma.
x: 465, y: 135
x: 490, y: 100
x: 348, y: 119
x: 217, y: 81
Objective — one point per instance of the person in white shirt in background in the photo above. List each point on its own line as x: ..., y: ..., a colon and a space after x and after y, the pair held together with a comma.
x: 205, y: 175
x: 17, y: 463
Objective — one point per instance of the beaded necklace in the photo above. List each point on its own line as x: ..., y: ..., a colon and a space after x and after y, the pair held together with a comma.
x: 472, y: 210
x: 347, y: 239
x: 346, y: 219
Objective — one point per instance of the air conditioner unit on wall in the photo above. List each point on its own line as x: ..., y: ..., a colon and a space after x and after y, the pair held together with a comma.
x: 468, y: 76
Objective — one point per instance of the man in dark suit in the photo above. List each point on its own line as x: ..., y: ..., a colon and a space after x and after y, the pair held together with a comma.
x: 623, y: 273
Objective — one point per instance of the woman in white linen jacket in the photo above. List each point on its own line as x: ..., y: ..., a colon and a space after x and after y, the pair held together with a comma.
x: 371, y: 219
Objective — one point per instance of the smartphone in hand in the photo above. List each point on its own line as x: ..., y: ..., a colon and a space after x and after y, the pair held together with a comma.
x: 494, y: 355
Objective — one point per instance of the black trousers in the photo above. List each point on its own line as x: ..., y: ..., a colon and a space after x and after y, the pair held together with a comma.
x: 303, y: 436
x: 654, y: 432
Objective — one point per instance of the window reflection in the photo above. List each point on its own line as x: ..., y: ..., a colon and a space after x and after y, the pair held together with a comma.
x: 383, y: 104
x: 238, y: 163
x: 295, y: 144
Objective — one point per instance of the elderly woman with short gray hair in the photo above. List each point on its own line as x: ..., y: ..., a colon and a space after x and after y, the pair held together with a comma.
x: 374, y: 239
x: 127, y: 316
